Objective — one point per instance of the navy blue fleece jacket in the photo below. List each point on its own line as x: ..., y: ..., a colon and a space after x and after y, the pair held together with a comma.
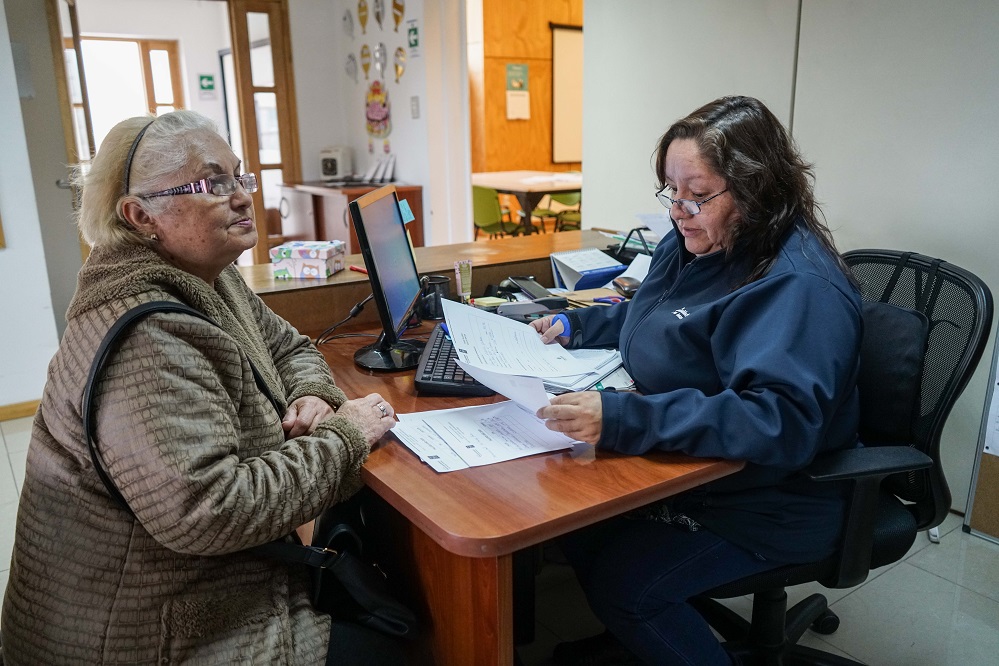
x: 764, y: 373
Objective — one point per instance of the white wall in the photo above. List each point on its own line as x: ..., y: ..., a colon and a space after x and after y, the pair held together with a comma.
x: 895, y: 104
x: 202, y: 26
x: 448, y: 123
x: 902, y: 122
x: 408, y: 137
x: 316, y: 44
x: 28, y: 337
x: 650, y: 62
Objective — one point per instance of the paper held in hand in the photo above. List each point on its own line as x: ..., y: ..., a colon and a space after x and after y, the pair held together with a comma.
x: 508, y: 357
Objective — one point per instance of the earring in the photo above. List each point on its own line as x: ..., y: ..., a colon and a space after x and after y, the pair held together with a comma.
x: 153, y: 238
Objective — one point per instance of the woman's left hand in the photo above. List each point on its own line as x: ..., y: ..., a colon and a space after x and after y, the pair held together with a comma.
x: 304, y: 414
x: 578, y: 415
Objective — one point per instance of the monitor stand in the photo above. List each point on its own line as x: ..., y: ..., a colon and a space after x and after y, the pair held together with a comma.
x: 400, y: 355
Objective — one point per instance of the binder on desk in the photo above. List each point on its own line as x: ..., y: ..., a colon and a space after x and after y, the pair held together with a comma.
x: 584, y: 269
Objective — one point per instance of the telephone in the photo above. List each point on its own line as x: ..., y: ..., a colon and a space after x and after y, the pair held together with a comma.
x: 525, y: 284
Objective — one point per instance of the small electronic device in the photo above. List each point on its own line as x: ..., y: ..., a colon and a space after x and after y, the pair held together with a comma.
x: 626, y: 286
x: 528, y: 311
x: 526, y: 284
x: 336, y: 163
x: 439, y: 373
x: 395, y: 284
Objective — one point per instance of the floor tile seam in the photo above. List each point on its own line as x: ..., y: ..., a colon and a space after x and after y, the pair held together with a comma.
x: 832, y: 646
x: 994, y: 599
x: 13, y: 477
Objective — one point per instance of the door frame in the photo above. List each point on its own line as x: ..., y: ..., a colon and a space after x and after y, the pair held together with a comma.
x: 280, y: 35
x: 284, y: 89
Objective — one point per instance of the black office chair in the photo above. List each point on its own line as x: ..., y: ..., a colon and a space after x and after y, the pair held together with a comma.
x: 926, y: 323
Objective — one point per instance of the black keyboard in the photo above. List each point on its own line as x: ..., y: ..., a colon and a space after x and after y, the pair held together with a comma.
x: 439, y: 373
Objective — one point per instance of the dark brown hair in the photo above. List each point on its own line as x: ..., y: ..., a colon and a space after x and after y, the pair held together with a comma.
x: 770, y: 183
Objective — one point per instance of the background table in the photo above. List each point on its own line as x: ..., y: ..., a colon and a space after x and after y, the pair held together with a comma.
x: 529, y: 187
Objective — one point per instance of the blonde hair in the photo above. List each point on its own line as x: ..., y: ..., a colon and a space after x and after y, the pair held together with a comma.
x: 162, y: 151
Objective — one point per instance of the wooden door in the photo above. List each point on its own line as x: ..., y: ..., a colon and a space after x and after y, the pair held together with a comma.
x: 261, y: 47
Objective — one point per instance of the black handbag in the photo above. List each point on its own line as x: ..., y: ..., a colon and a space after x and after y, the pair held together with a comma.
x: 345, y: 585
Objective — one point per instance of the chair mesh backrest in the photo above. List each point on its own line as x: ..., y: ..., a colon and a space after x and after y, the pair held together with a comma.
x: 959, y: 308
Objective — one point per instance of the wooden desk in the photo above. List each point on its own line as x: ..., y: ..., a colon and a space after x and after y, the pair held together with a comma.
x: 529, y: 186
x: 452, y: 536
x: 312, y: 305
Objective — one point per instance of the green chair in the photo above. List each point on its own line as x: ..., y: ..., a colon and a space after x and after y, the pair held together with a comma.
x: 488, y: 216
x: 569, y: 218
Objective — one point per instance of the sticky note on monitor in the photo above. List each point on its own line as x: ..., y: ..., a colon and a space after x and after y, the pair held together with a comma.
x: 406, y: 211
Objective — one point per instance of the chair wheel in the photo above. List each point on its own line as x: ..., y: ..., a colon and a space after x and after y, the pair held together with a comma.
x: 827, y: 623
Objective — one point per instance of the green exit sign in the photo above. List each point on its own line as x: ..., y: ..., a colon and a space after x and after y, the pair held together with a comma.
x: 206, y: 82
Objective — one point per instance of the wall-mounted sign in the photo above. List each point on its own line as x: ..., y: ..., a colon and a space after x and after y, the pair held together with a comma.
x: 206, y: 86
x: 518, y: 99
x: 413, y: 38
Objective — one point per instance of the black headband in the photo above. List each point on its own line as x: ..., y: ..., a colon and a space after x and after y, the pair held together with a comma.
x: 131, y: 154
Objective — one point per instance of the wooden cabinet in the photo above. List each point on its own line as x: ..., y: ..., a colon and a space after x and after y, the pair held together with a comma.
x: 326, y: 215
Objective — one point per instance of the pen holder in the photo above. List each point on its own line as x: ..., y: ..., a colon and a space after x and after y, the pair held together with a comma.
x: 435, y: 289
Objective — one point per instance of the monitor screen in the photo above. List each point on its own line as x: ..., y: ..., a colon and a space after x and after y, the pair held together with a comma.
x: 395, y: 284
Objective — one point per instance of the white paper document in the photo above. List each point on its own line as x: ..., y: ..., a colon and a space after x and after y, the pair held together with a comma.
x: 659, y: 223
x: 638, y: 269
x: 604, y: 362
x: 528, y: 392
x: 498, y: 344
x: 451, y: 439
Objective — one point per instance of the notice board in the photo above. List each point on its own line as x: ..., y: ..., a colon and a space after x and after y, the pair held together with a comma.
x: 982, y: 517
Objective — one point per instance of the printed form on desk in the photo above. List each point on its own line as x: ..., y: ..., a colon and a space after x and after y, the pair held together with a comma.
x: 450, y: 439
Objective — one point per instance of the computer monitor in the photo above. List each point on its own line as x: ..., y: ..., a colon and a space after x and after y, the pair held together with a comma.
x: 395, y: 284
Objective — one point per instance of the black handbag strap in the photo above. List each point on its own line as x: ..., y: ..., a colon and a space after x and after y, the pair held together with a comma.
x: 100, y: 360
x: 97, y: 367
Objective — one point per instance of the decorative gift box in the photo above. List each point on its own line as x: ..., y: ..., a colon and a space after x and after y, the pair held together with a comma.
x: 307, y: 259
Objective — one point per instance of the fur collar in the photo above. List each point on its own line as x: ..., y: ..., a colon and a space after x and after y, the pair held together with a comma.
x: 115, y: 274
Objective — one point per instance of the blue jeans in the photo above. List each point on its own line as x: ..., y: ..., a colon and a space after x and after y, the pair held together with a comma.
x: 638, y: 575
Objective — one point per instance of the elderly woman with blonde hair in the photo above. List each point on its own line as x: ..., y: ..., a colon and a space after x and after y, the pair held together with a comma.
x: 206, y: 465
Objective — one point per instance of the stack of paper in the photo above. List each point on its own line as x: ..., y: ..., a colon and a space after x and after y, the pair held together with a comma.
x: 605, y: 362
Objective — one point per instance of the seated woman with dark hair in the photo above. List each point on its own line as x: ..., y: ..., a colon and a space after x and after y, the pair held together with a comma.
x: 187, y: 436
x: 744, y: 344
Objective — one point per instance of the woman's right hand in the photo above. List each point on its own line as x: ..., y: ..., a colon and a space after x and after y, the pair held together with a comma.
x: 372, y: 414
x: 550, y: 332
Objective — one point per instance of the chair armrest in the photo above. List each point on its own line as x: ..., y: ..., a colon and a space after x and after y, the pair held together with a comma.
x: 879, y: 461
x: 866, y: 468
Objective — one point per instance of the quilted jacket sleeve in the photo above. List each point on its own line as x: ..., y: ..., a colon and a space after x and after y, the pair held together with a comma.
x: 199, y: 453
x: 302, y: 367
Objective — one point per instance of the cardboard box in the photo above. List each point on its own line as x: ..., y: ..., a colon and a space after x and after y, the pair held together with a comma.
x: 307, y: 259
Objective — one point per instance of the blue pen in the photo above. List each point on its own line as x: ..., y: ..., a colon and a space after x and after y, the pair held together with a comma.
x: 612, y: 300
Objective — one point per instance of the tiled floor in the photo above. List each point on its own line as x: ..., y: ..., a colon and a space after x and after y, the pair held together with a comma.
x: 14, y: 438
x: 937, y: 607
